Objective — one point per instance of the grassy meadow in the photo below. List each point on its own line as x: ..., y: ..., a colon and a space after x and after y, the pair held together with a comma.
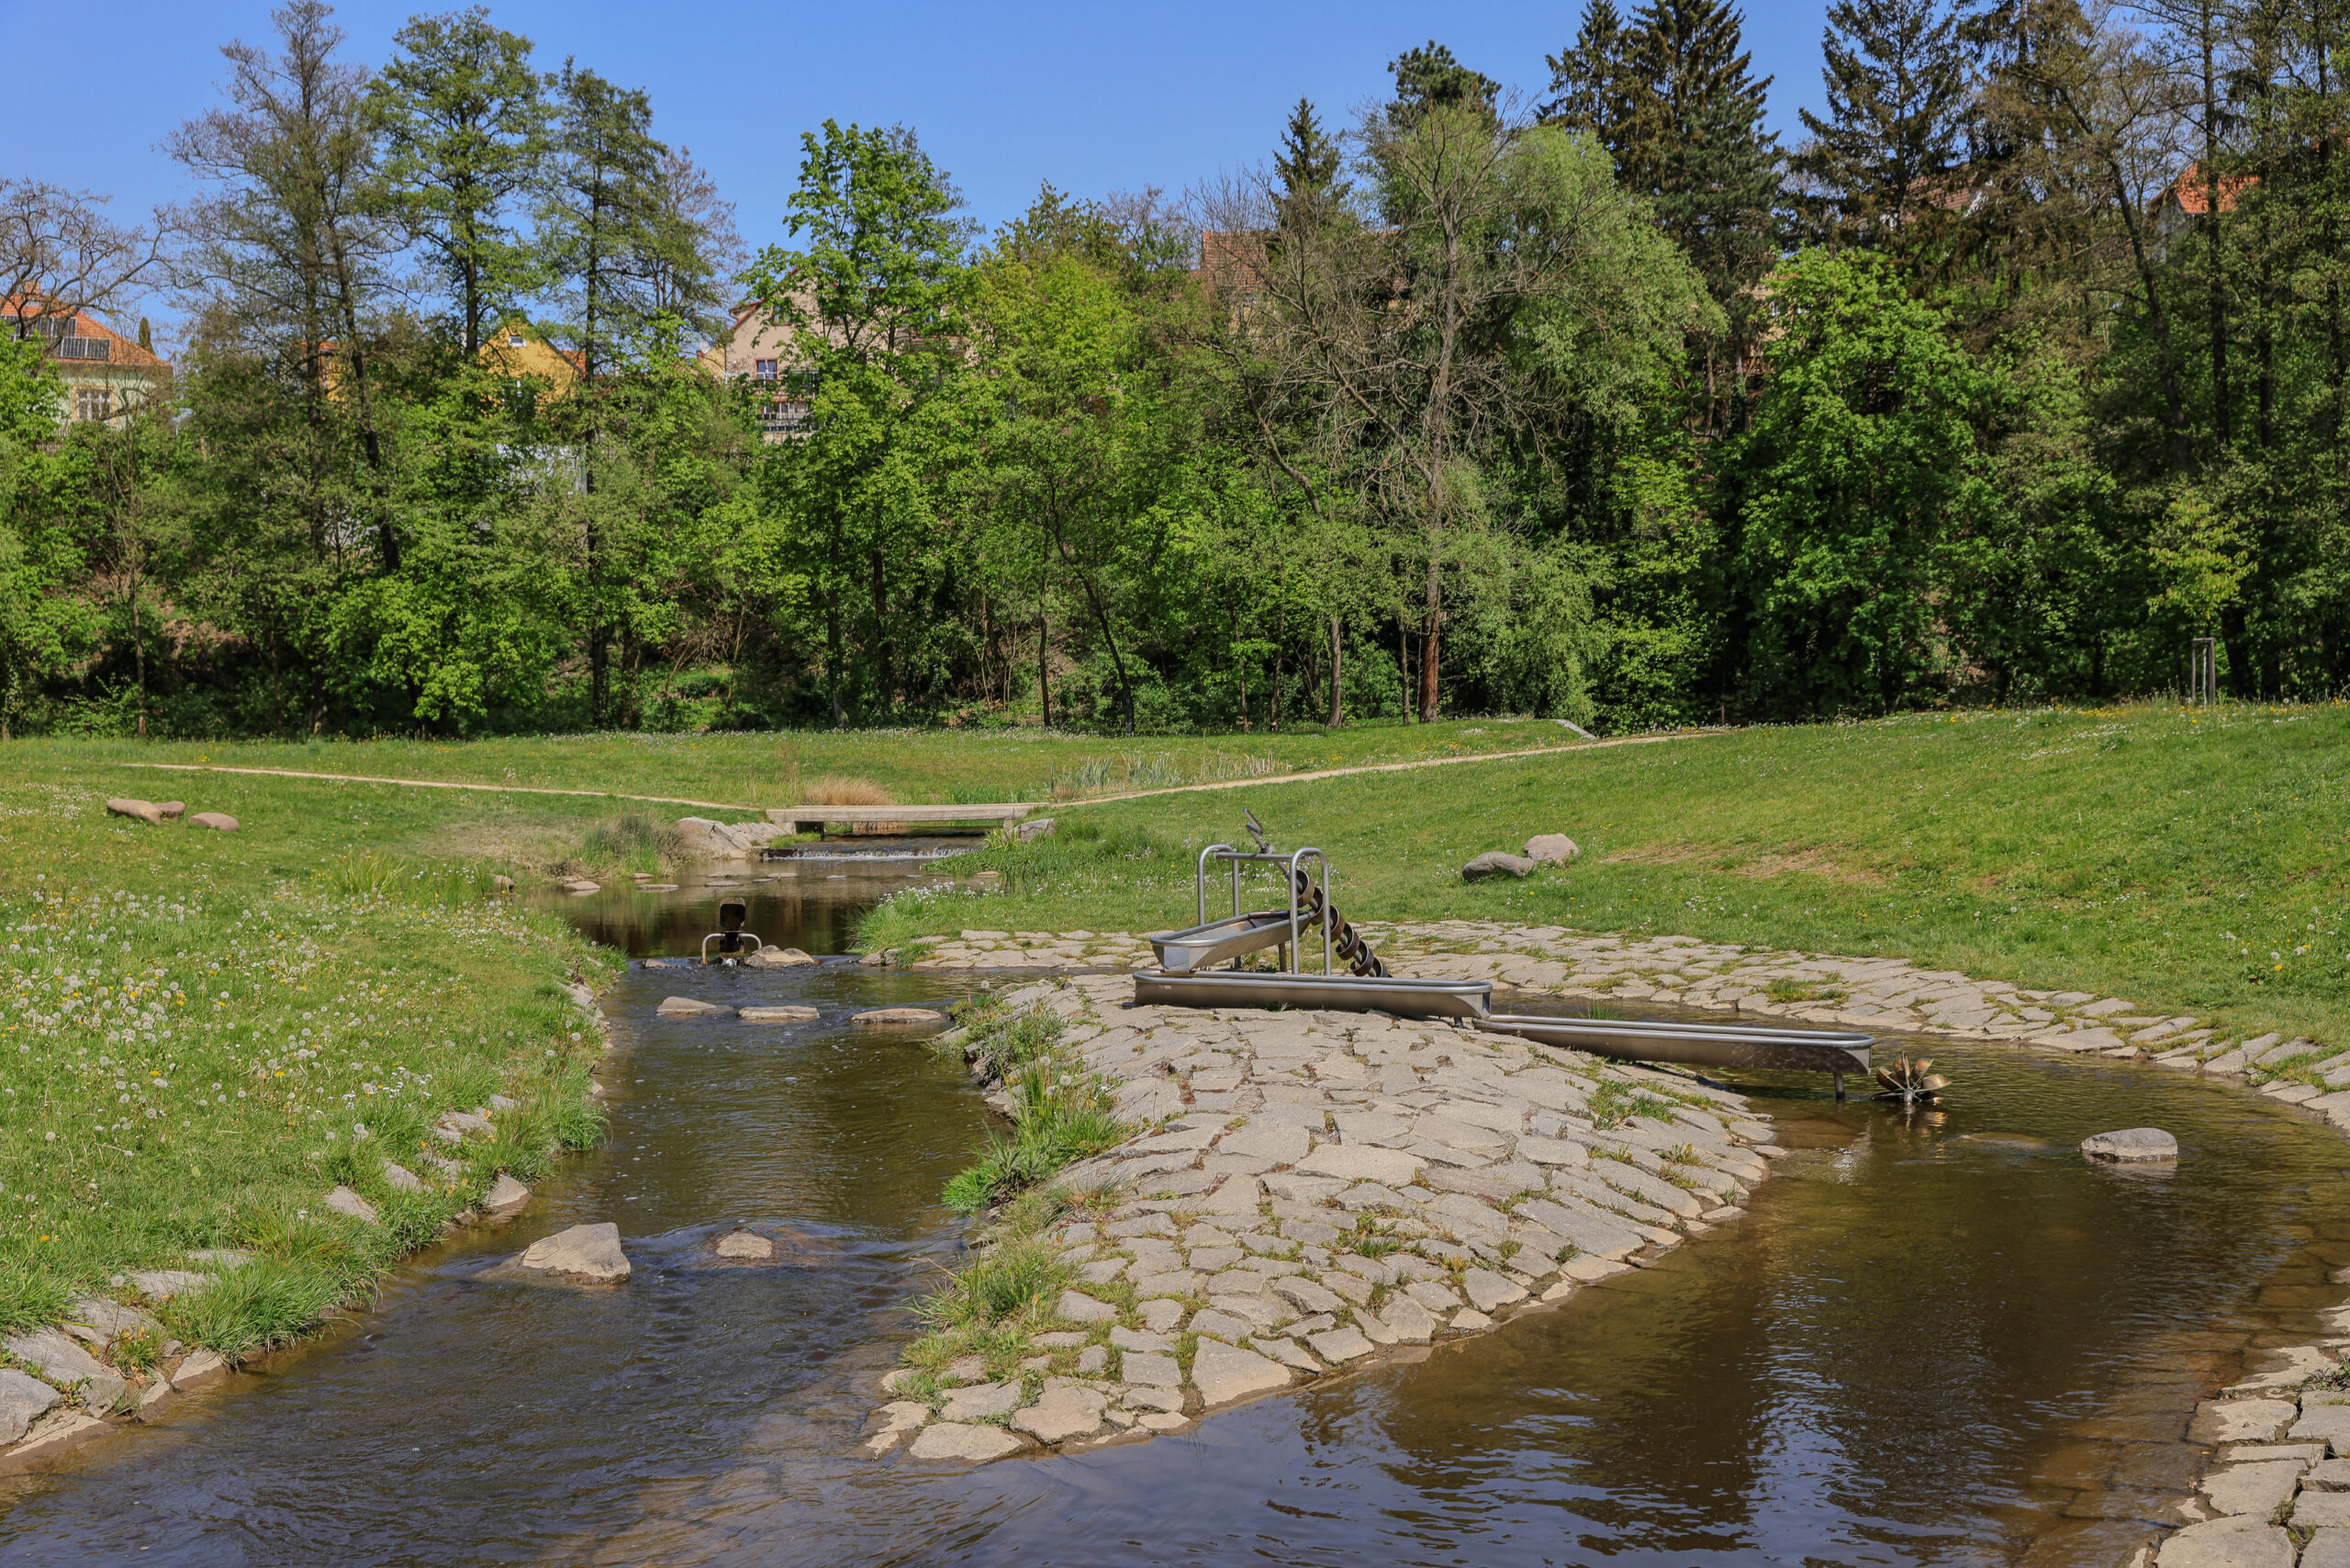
x: 201, y: 1034
x: 2188, y: 861
x: 915, y: 767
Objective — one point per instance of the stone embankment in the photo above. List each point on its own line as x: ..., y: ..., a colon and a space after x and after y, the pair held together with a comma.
x: 1318, y: 1190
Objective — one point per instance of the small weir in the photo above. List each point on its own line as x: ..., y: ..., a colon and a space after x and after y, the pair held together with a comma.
x: 1939, y: 1336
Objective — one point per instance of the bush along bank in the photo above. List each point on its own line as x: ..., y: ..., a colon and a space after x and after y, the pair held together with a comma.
x: 231, y: 1108
x: 1306, y: 1193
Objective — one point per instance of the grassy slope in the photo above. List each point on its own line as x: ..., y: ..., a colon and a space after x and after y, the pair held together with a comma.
x: 768, y: 770
x: 2195, y: 863
x: 157, y: 987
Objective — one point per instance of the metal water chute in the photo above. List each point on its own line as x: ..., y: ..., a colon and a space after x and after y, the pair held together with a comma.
x: 733, y: 942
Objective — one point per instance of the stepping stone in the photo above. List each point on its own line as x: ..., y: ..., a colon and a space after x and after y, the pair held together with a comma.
x: 973, y: 1445
x: 745, y: 1244
x: 2132, y: 1146
x: 590, y: 1252
x: 980, y: 1401
x: 777, y: 1014
x: 688, y: 1007
x: 1339, y: 1345
x: 898, y: 1018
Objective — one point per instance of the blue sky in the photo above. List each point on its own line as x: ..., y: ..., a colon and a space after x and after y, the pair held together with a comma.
x: 1093, y: 97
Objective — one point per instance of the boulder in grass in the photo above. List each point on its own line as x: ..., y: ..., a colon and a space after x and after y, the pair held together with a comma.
x: 1552, y: 848
x: 343, y: 1201
x: 2132, y: 1146
x: 137, y: 811
x: 219, y: 822
x: 1496, y: 863
x: 172, y: 810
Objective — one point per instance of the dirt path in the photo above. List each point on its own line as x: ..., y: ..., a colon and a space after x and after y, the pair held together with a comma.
x: 1092, y: 801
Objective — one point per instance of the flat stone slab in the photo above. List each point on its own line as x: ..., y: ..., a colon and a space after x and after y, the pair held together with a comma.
x: 1363, y: 1162
x: 61, y: 1361
x: 2329, y: 1548
x: 955, y: 1441
x: 2252, y: 1488
x: 1079, y: 1308
x: 53, y: 1435
x: 2132, y: 1146
x: 1152, y: 1371
x: 1061, y: 1413
x: 897, y: 1018
x: 161, y: 1284
x: 1336, y: 1345
x: 2327, y: 1424
x: 777, y: 1014
x: 1226, y: 1372
x: 2322, y: 1510
x: 777, y: 958
x: 590, y: 1252
x: 2241, y: 1420
x: 201, y: 1369
x: 2244, y: 1540
x: 688, y: 1007
x: 978, y: 1401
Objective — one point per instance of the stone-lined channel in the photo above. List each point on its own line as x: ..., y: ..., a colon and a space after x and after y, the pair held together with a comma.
x: 1938, y: 1339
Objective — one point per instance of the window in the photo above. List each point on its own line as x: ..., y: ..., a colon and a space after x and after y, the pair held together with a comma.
x: 783, y: 419
x: 92, y: 403
x: 765, y: 370
x: 513, y: 339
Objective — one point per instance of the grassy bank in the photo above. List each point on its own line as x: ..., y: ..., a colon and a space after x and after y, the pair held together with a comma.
x: 915, y: 765
x: 202, y: 1033
x: 2189, y: 862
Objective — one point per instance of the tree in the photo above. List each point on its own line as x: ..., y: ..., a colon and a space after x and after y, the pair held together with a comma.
x: 1429, y: 77
x: 1596, y: 90
x: 61, y: 254
x: 1694, y: 146
x: 1863, y: 465
x: 1898, y: 99
x: 464, y: 120
x: 1308, y: 164
x: 599, y: 237
x: 873, y: 300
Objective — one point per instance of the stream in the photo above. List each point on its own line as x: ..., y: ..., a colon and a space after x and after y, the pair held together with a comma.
x: 1938, y: 1338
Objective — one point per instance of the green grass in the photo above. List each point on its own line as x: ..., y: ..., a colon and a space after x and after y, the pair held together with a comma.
x: 916, y: 765
x: 1060, y: 1112
x: 201, y: 1034
x: 2189, y: 862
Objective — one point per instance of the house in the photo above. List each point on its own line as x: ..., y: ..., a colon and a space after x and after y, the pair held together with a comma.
x: 102, y: 376
x: 765, y: 353
x: 2187, y: 201
x: 517, y: 353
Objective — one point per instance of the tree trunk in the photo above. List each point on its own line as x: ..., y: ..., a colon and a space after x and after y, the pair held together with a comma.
x: 1337, y: 654
x: 138, y: 648
x: 1043, y: 670
x: 1432, y: 647
x: 1277, y: 686
x: 1404, y: 661
x: 2216, y: 300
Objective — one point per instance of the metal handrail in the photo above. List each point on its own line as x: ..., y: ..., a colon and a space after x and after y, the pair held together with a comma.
x: 1293, y: 863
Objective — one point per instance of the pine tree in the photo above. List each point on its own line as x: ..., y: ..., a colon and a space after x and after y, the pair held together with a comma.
x: 464, y: 121
x: 1428, y: 75
x: 1695, y: 145
x: 1592, y: 87
x: 1898, y: 102
x: 146, y: 335
x: 1308, y: 164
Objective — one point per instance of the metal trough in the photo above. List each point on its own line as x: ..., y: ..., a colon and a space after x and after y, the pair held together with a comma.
x: 1732, y: 1046
x: 1338, y: 992
x: 1204, y: 946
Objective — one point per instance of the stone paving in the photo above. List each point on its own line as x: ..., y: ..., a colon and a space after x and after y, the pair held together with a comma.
x: 1318, y: 1190
x: 1873, y: 993
x: 2276, y: 1494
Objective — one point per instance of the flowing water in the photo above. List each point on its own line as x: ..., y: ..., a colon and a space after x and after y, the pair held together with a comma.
x: 1939, y: 1338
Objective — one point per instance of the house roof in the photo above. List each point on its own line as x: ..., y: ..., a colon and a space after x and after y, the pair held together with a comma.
x: 2193, y: 192
x: 126, y: 351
